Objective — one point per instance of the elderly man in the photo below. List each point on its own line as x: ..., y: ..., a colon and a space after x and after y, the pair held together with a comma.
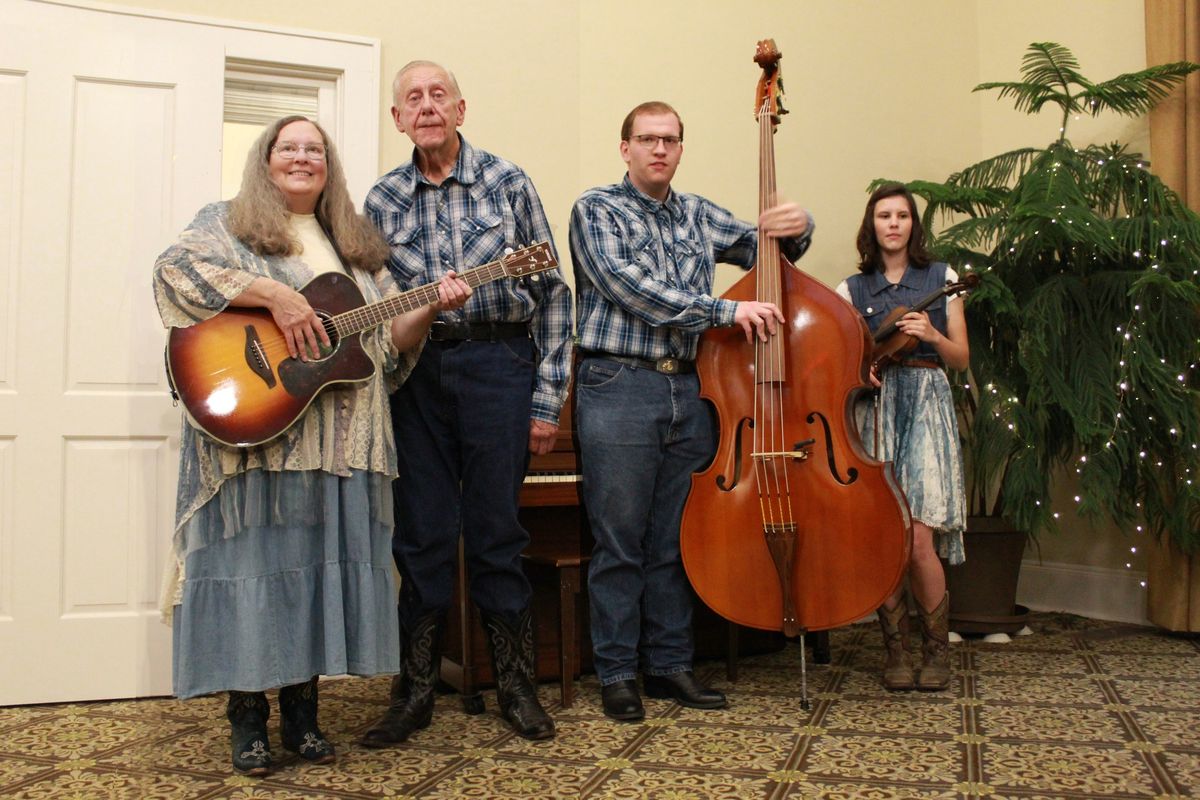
x: 644, y: 259
x: 484, y: 395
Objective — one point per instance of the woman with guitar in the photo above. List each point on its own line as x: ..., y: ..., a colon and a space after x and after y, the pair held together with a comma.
x: 912, y: 421
x: 282, y: 548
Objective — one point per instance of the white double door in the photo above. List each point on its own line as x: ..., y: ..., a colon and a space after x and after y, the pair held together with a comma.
x: 110, y: 141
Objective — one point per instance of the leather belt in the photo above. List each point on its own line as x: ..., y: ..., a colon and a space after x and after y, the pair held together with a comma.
x: 667, y: 366
x: 477, y: 331
x: 927, y: 363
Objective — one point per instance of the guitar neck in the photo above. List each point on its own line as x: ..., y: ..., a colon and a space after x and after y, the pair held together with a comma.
x: 365, y: 317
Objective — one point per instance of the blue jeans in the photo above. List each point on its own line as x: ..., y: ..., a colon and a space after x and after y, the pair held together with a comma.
x: 641, y: 436
x: 462, y: 439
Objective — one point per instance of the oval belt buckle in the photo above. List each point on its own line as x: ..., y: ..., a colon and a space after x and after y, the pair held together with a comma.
x: 667, y: 366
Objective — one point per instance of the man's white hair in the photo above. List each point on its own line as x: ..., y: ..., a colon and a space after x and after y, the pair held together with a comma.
x: 421, y: 63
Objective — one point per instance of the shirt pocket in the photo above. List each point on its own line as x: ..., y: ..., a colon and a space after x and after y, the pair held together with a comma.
x: 874, y: 314
x: 407, y: 261
x: 690, y: 267
x: 639, y: 240
x: 483, y: 239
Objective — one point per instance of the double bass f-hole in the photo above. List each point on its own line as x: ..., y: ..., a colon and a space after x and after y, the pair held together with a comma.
x: 830, y: 457
x: 799, y: 452
x: 722, y: 482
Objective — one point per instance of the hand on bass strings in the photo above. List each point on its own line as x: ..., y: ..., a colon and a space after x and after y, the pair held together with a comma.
x: 758, y: 318
x: 784, y: 220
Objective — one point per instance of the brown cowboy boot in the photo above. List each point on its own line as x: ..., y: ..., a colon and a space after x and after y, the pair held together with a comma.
x: 934, y: 673
x: 897, y: 666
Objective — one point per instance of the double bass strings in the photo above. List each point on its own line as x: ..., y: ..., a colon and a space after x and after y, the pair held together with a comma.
x: 772, y: 457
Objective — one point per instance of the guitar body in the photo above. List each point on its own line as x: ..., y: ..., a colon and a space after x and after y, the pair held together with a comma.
x: 234, y: 376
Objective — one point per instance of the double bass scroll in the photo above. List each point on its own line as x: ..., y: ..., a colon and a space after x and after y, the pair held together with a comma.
x: 794, y: 526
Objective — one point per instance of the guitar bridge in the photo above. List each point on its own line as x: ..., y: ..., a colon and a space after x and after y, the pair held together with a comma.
x: 256, y: 358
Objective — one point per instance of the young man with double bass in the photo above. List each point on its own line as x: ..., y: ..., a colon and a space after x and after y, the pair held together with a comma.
x: 645, y: 256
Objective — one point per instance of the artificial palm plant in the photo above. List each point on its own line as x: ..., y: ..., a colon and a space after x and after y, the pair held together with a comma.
x: 1085, y: 329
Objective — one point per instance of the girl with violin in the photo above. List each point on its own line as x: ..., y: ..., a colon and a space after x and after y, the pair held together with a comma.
x: 912, y: 420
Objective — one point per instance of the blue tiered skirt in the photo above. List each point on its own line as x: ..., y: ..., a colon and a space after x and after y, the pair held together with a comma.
x: 918, y: 433
x: 287, y: 575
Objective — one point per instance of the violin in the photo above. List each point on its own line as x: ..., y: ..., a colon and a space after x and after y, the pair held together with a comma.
x: 893, y: 344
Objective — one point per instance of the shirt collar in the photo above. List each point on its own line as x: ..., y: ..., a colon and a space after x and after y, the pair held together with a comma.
x: 672, y: 205
x: 878, y: 284
x: 464, y: 167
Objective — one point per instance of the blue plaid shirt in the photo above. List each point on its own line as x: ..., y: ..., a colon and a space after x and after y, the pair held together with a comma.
x: 490, y: 204
x: 644, y: 269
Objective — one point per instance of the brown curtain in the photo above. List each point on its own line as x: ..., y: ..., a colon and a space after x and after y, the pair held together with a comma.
x: 1173, y: 34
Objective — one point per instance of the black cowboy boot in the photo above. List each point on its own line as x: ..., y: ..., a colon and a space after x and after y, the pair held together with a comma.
x: 248, y: 713
x: 510, y: 638
x: 412, y: 695
x: 298, y: 723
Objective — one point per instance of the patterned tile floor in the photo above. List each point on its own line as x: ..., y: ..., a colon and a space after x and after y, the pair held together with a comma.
x: 1080, y: 709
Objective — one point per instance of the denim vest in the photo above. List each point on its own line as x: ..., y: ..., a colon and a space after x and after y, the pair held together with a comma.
x: 875, y: 298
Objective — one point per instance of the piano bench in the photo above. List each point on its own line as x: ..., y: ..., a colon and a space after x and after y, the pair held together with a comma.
x: 568, y: 568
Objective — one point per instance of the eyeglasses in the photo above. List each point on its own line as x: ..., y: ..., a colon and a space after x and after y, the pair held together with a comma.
x: 289, y: 150
x: 650, y: 141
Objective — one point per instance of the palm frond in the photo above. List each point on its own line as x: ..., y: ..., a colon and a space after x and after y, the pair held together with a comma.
x: 1051, y: 64
x: 1048, y: 71
x: 1134, y: 93
x: 1029, y: 97
x: 998, y: 171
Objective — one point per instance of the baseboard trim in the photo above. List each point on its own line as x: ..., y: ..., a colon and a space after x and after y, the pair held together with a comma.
x: 1103, y: 593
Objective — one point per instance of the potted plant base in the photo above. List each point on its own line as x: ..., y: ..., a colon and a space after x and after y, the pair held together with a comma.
x: 983, y: 589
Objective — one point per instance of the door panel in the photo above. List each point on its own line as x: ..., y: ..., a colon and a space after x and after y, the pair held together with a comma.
x: 110, y: 141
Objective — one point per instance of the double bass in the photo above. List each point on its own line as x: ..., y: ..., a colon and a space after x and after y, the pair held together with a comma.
x: 793, y: 526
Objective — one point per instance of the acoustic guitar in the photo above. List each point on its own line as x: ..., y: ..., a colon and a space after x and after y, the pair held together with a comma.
x: 233, y: 374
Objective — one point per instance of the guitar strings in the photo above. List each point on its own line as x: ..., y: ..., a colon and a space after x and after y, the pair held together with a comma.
x: 273, y: 346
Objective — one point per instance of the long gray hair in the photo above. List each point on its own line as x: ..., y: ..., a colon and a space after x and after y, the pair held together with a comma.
x: 259, y: 216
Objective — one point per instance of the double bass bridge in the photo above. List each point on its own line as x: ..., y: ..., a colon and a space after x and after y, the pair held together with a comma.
x: 799, y: 452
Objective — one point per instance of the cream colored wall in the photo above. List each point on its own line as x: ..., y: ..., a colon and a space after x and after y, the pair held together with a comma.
x: 1110, y: 42
x: 859, y: 109
x: 875, y: 90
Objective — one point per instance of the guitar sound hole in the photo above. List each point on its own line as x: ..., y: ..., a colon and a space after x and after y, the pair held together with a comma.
x: 331, y: 332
